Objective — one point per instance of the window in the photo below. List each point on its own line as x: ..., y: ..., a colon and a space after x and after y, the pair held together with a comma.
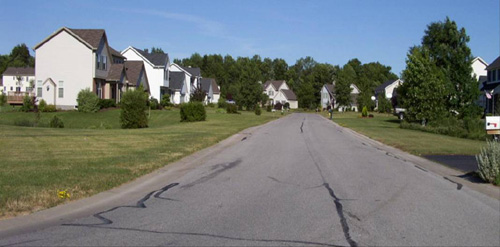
x: 61, y: 89
x: 18, y: 89
x: 11, y: 88
x: 98, y: 61
x: 104, y: 62
x: 39, y: 88
x: 28, y: 89
x: 270, y: 93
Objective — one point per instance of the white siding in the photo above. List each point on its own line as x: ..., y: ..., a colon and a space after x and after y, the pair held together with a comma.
x: 478, y: 69
x: 325, y: 97
x: 10, y: 81
x: 155, y: 74
x: 64, y: 58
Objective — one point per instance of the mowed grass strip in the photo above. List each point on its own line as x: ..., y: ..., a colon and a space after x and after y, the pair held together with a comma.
x: 37, y: 162
x: 385, y: 128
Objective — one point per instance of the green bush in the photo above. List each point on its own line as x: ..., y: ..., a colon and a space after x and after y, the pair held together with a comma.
x: 193, y: 111
x: 286, y: 105
x: 24, y: 122
x: 384, y: 105
x: 232, y: 109
x: 222, y: 103
x: 3, y: 99
x: 153, y: 103
x: 87, y: 101
x: 451, y: 126
x: 42, y: 105
x: 50, y: 108
x: 133, y: 109
x: 211, y: 105
x: 165, y: 101
x: 269, y: 108
x: 220, y: 111
x: 364, y: 112
x: 258, y: 111
x: 56, y: 122
x: 106, y: 103
x: 488, y: 162
x: 28, y: 104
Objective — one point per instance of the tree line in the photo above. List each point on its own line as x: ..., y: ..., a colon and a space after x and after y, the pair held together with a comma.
x: 18, y: 57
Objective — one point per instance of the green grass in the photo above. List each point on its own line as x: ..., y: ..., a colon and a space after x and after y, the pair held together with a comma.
x: 385, y: 128
x: 37, y: 162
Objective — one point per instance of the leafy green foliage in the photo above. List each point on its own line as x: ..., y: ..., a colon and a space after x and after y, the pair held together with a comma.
x: 153, y: 103
x: 28, y: 104
x: 18, y: 57
x: 384, y: 105
x: 345, y: 77
x: 106, y: 103
x: 286, y: 105
x: 258, y: 111
x: 42, y: 105
x: 3, y: 99
x: 56, y: 122
x: 489, y: 162
x: 88, y: 101
x: 232, y: 109
x: 364, y: 112
x: 133, y: 109
x: 269, y: 108
x: 193, y: 111
x: 165, y: 100
x: 469, y: 128
x: 50, y: 108
x: 198, y: 95
x: 157, y: 50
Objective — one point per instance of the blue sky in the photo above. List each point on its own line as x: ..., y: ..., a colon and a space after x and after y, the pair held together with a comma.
x: 330, y: 31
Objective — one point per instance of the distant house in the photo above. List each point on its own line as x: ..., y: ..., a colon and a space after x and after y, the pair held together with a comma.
x: 278, y: 91
x: 178, y: 87
x: 479, y: 68
x: 157, y: 69
x: 18, y: 82
x: 387, y: 88
x: 491, y: 87
x: 70, y: 60
x: 191, y: 81
x: 328, y: 98
x: 210, y: 87
x: 195, y: 76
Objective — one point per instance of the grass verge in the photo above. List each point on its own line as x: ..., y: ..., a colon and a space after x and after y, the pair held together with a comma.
x: 86, y: 159
x: 385, y: 128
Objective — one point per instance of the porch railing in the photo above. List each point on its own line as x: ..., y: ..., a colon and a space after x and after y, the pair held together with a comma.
x: 16, y: 98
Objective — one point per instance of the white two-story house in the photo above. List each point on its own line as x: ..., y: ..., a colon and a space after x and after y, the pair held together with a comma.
x: 17, y: 83
x: 210, y: 87
x: 157, y: 69
x: 278, y: 91
x: 190, y: 83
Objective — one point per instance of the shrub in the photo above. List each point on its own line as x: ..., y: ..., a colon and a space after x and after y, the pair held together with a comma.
x: 211, y: 105
x: 198, y: 95
x: 133, y: 109
x: 370, y: 115
x: 50, y: 108
x: 56, y: 122
x: 232, y: 109
x: 451, y: 126
x: 42, y: 105
x: 258, y: 111
x: 269, y: 108
x: 87, y: 101
x: 193, y: 111
x: 153, y: 103
x: 287, y: 105
x: 106, y: 103
x: 220, y: 111
x: 24, y: 122
x: 384, y: 105
x: 278, y: 106
x: 364, y: 112
x: 3, y: 99
x: 222, y: 103
x: 488, y: 162
x: 165, y: 101
x: 28, y: 104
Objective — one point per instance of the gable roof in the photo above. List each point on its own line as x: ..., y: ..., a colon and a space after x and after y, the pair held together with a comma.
x: 116, y: 53
x: 289, y: 94
x: 382, y: 86
x: 133, y: 70
x: 329, y: 88
x: 276, y: 84
x: 115, y: 72
x: 89, y: 37
x: 193, y: 71
x: 18, y: 71
x: 215, y: 87
x: 205, y: 84
x: 157, y: 59
x: 177, y: 80
x: 494, y: 65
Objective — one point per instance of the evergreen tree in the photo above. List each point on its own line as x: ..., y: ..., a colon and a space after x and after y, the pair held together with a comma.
x: 343, y: 89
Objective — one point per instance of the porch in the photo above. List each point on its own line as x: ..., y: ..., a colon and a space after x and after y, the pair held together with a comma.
x: 16, y: 97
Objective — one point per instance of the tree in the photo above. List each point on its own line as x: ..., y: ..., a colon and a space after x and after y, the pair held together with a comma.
x: 305, y: 95
x: 384, y: 105
x: 343, y: 89
x: 18, y: 57
x: 424, y: 95
x: 133, y: 109
x: 198, y: 95
x: 447, y: 48
x: 157, y: 50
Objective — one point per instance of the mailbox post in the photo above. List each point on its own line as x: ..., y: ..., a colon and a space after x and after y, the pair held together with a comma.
x: 493, y: 126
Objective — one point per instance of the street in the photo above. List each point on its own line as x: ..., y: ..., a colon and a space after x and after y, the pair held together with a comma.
x: 301, y: 181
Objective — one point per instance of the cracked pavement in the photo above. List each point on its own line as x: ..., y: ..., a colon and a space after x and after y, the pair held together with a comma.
x: 301, y: 181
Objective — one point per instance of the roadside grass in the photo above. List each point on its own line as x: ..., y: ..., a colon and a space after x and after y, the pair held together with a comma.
x: 37, y: 162
x: 385, y: 128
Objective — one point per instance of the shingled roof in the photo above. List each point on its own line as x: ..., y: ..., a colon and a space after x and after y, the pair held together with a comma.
x: 133, y: 71
x: 177, y: 80
x: 91, y: 36
x: 205, y: 84
x: 17, y: 71
x: 115, y: 72
x: 192, y: 71
x: 276, y: 84
x: 157, y: 59
x: 289, y: 94
x: 494, y: 65
x: 329, y: 88
x: 116, y: 53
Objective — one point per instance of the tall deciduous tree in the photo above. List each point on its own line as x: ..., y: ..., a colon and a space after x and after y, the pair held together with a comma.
x: 343, y: 89
x: 18, y: 57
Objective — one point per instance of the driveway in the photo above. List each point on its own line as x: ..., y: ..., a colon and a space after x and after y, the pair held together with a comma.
x: 301, y: 181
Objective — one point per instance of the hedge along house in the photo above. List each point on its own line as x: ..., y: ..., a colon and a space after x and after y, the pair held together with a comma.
x: 70, y: 60
x: 17, y: 82
x: 278, y: 91
x: 212, y: 90
x: 157, y: 69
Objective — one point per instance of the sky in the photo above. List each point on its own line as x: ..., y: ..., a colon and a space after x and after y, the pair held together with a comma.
x: 330, y: 31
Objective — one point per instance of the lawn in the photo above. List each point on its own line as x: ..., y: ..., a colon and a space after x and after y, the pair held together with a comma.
x: 385, y: 128
x: 92, y: 154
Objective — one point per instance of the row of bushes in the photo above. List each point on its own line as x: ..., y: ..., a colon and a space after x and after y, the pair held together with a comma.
x: 463, y: 128
x: 55, y: 122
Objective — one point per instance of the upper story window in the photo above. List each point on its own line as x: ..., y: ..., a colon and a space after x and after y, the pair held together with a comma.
x: 101, y: 62
x: 493, y: 75
x: 270, y: 93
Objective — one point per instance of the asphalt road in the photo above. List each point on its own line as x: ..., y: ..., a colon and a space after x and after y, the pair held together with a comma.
x: 300, y: 181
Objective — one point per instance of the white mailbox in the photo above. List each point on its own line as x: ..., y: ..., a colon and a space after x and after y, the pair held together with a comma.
x: 493, y: 123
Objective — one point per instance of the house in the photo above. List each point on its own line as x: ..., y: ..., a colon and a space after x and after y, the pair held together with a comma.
x: 328, y: 97
x: 70, y: 60
x: 210, y: 87
x: 278, y: 91
x: 125, y: 76
x: 491, y: 87
x: 387, y: 88
x: 178, y: 87
x: 157, y: 69
x: 17, y: 82
x: 479, y: 68
x: 191, y: 81
x: 195, y: 75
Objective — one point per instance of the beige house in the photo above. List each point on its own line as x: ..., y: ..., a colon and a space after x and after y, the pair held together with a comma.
x: 70, y: 60
x: 17, y: 83
x: 278, y: 91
